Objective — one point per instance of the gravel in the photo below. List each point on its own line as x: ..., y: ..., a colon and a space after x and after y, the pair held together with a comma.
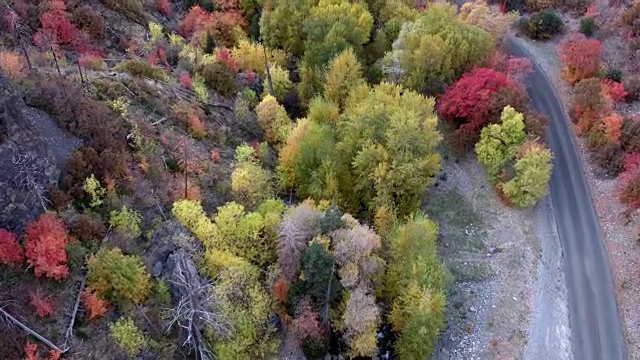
x: 509, y: 295
x: 620, y: 238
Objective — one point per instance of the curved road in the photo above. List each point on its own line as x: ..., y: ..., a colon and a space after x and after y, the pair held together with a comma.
x: 593, y: 313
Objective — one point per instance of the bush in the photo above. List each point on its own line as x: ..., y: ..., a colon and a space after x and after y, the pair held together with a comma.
x: 126, y: 221
x: 632, y: 87
x: 588, y: 26
x: 11, y: 253
x: 540, y: 5
x: 610, y: 158
x: 250, y: 183
x: 47, y: 238
x: 118, y: 277
x: 141, y: 68
x: 580, y: 57
x: 89, y: 21
x: 628, y: 185
x: 218, y: 77
x: 630, y: 137
x: 544, y: 25
x: 88, y: 228
x: 128, y: 336
x: 614, y: 75
x: 536, y: 125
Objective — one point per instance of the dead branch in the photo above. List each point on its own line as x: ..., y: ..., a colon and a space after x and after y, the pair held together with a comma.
x: 196, y: 309
x: 26, y: 329
x: 69, y: 333
x: 325, y: 305
x: 30, y: 175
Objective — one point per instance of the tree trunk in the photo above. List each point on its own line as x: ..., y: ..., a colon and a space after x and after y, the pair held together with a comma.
x: 266, y: 62
x: 55, y: 59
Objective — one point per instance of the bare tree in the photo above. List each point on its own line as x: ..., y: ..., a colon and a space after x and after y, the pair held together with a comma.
x: 20, y: 31
x: 30, y: 176
x: 197, y: 307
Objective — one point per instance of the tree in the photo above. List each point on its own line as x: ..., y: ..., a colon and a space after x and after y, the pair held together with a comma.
x: 95, y: 306
x: 247, y: 306
x: 273, y: 120
x: 354, y: 252
x: 436, y: 49
x: 489, y: 19
x: 250, y: 183
x: 191, y: 214
x: 324, y: 111
x: 246, y: 234
x: 319, y: 278
x: 613, y: 127
x: 126, y: 221
x: 387, y: 140
x: 297, y: 228
x: 128, y: 336
x: 468, y: 103
x: 306, y: 161
x: 332, y: 26
x: 414, y: 285
x: 343, y: 75
x: 532, y: 174
x: 361, y: 322
x: 587, y: 105
x: 11, y: 253
x: 499, y: 142
x: 46, y: 240
x: 306, y: 324
x: 249, y: 56
x: 95, y: 190
x: 580, y: 56
x: 628, y: 185
x: 281, y: 83
x: 281, y: 23
x: 118, y: 277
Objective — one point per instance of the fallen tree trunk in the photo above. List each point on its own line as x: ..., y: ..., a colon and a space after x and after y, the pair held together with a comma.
x: 26, y: 329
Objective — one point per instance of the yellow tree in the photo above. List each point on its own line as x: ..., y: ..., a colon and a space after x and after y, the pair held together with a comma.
x: 344, y: 74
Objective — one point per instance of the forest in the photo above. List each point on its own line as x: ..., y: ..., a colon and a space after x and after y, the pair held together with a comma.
x: 240, y: 179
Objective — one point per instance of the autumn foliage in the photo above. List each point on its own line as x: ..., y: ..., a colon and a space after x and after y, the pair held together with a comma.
x: 613, y: 127
x: 628, y: 186
x: 220, y: 24
x: 613, y: 91
x: 95, y: 306
x: 580, y: 56
x: 164, y: 6
x: 468, y: 103
x: 41, y: 302
x: 45, y: 247
x: 31, y: 352
x: 11, y: 253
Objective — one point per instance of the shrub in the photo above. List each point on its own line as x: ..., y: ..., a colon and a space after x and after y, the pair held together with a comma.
x: 89, y: 21
x: 536, y: 124
x: 630, y: 137
x: 126, y: 221
x: 128, y: 336
x: 88, y: 228
x: 218, y: 77
x: 95, y: 306
x: 41, y: 302
x: 191, y: 214
x: 164, y: 6
x: 141, y: 68
x: 580, y: 57
x: 632, y: 86
x: 628, y: 186
x: 11, y: 253
x: 539, y: 5
x: 614, y: 75
x: 588, y: 26
x: 614, y: 91
x: 587, y: 104
x: 12, y: 65
x: 95, y: 191
x: 544, y: 25
x: 610, y: 158
x: 117, y: 277
x: 47, y: 238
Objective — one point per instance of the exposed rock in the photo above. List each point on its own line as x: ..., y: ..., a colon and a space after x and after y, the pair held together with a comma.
x: 179, y: 265
x: 255, y: 85
x: 168, y: 238
x: 27, y: 163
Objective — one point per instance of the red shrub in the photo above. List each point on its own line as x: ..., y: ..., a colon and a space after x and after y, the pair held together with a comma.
x: 185, y: 80
x: 250, y: 76
x: 580, y: 56
x: 31, y: 352
x: 280, y: 290
x: 215, y: 156
x: 45, y: 247
x: 199, y: 22
x: 519, y: 68
x: 613, y: 127
x: 11, y: 253
x: 614, y: 91
x: 41, y: 302
x: 164, y: 6
x: 588, y: 104
x: 95, y: 306
x: 193, y: 21
x: 224, y: 56
x: 468, y: 101
x: 307, y: 322
x: 628, y: 186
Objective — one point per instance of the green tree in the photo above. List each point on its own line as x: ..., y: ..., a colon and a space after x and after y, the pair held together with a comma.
x: 126, y: 221
x: 248, y: 235
x: 320, y: 280
x: 343, y: 75
x: 499, y: 142
x: 387, y: 139
x: 281, y: 83
x: 307, y: 161
x: 280, y: 25
x: 333, y: 26
x: 436, y: 49
x: 273, y: 120
x: 414, y: 285
x: 533, y: 172
x: 247, y: 306
x: 250, y: 183
x: 191, y: 214
x: 323, y: 111
x: 128, y: 336
x: 95, y: 190
x: 118, y: 277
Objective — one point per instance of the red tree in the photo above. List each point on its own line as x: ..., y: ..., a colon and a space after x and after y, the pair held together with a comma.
x: 580, y: 56
x: 45, y: 247
x: 614, y: 91
x: 468, y: 101
x: 628, y: 186
x: 11, y: 253
x: 199, y: 22
x: 164, y: 6
x: 307, y: 322
x: 41, y: 302
x: 95, y: 306
x: 613, y: 127
x: 31, y: 352
x: 224, y: 56
x: 194, y: 20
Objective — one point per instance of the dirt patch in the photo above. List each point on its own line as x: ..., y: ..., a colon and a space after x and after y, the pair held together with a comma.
x: 507, y: 267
